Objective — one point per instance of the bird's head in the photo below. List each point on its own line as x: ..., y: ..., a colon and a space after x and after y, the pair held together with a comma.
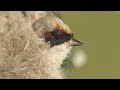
x: 55, y: 31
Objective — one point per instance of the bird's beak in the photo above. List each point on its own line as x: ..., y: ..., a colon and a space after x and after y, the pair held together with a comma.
x: 74, y: 42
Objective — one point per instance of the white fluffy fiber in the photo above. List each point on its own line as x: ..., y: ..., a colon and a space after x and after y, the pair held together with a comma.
x: 22, y: 53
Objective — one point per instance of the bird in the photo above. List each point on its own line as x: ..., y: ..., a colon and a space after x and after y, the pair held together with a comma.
x: 57, y: 35
x: 33, y: 49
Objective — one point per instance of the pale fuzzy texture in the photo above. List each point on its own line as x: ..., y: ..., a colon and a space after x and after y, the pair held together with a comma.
x: 23, y: 54
x: 32, y: 16
x: 55, y: 57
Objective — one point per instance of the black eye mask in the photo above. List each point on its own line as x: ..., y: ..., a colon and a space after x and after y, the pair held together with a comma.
x: 57, y: 37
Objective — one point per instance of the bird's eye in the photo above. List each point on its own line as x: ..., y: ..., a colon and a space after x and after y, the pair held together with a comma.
x: 57, y: 35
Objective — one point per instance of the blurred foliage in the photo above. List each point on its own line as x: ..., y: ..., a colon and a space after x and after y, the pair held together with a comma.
x: 99, y: 31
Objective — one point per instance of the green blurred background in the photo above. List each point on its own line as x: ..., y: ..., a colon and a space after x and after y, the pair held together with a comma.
x: 100, y: 32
